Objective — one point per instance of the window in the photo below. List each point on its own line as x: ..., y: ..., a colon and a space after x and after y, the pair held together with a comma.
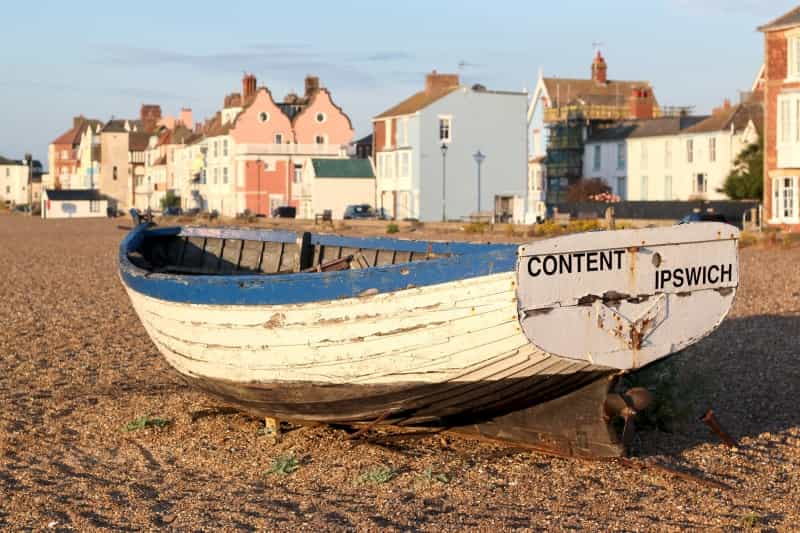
x: 402, y: 132
x: 667, y: 154
x: 700, y: 184
x: 321, y: 118
x: 644, y: 155
x: 643, y: 185
x: 620, y: 156
x: 621, y: 190
x: 279, y: 138
x: 712, y: 149
x: 8, y: 189
x: 8, y: 172
x: 216, y: 175
x: 214, y: 148
x: 64, y: 154
x: 689, y: 150
x: 793, y: 57
x: 114, y: 173
x: 320, y: 139
x: 445, y: 127
x: 298, y: 173
x: 667, y: 187
x: 263, y: 117
x: 402, y: 171
x: 387, y: 133
x: 94, y: 207
x: 784, y: 199
x: 596, y: 161
x: 225, y: 175
x: 225, y: 147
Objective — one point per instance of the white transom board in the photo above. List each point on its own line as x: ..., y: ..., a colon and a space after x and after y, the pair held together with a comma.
x: 626, y: 298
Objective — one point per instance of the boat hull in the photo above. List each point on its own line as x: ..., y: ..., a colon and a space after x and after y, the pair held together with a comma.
x: 443, y: 354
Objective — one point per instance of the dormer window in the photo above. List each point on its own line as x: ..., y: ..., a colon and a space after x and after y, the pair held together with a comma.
x: 263, y: 117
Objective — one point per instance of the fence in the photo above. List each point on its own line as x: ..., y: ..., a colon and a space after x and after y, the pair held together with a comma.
x: 731, y: 210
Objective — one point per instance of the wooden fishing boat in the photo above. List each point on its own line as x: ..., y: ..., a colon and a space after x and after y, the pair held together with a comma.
x: 324, y: 328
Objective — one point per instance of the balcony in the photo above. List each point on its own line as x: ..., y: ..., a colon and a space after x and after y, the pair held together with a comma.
x: 291, y: 149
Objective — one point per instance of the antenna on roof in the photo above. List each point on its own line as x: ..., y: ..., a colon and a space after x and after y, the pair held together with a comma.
x: 596, y: 46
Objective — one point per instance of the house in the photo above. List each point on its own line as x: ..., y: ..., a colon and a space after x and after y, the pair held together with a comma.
x: 605, y: 156
x: 573, y: 108
x: 687, y: 158
x: 255, y: 152
x: 362, y: 148
x: 19, y: 183
x: 161, y: 166
x: 425, y: 150
x: 337, y: 183
x: 73, y: 203
x: 63, y: 155
x: 781, y: 89
x: 122, y: 146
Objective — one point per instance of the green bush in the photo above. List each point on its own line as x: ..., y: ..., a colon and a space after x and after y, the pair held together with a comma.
x: 170, y: 200
x: 392, y: 228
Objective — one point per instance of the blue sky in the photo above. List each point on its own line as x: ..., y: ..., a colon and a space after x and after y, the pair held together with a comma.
x: 100, y: 59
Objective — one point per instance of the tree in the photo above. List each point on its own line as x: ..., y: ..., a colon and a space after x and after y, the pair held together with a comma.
x: 170, y: 200
x: 587, y: 189
x: 746, y: 179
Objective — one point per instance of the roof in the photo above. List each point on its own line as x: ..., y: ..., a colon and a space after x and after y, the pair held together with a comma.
x: 36, y: 164
x: 367, y: 139
x: 73, y: 135
x: 787, y: 20
x: 118, y: 125
x: 738, y: 117
x: 74, y: 195
x: 615, y: 132
x: 417, y: 101
x: 138, y: 141
x: 342, y: 168
x: 563, y: 91
x: 665, y: 126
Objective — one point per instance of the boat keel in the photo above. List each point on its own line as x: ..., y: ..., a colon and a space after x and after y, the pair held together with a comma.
x: 578, y: 424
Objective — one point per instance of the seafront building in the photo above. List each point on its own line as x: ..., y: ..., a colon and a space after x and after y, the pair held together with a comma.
x: 20, y: 181
x: 781, y: 93
x: 429, y: 149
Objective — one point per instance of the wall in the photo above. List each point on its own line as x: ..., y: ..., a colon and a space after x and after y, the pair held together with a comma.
x: 496, y: 124
x: 337, y: 193
x: 683, y: 172
x: 658, y: 210
x: 336, y: 127
x: 114, y: 153
x: 72, y: 209
x: 609, y: 170
x: 14, y: 184
x: 262, y: 184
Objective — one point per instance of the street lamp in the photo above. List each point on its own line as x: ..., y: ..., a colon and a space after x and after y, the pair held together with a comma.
x: 29, y: 163
x: 444, y: 182
x: 479, y: 157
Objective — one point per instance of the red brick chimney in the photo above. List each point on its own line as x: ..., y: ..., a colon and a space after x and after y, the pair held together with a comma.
x: 312, y: 85
x: 726, y: 106
x: 435, y: 82
x: 78, y: 121
x: 641, y: 104
x: 248, y: 86
x: 150, y: 115
x: 599, y: 69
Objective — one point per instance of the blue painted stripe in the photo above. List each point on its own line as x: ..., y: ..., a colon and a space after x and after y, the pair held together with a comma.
x: 468, y: 261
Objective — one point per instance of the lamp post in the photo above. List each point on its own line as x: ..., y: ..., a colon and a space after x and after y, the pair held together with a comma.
x: 444, y: 182
x: 29, y: 164
x: 479, y: 157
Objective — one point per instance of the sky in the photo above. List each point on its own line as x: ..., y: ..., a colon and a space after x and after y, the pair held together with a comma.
x: 103, y: 59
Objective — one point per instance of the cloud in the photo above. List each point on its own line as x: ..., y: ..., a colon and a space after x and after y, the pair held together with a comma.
x: 278, y: 62
x: 394, y: 55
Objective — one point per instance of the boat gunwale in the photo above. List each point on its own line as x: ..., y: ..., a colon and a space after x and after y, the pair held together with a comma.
x: 463, y: 261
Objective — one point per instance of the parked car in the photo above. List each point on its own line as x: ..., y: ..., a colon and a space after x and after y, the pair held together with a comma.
x: 284, y: 211
x: 703, y: 217
x: 359, y: 211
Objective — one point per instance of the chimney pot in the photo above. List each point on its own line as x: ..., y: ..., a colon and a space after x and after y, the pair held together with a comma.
x: 599, y: 69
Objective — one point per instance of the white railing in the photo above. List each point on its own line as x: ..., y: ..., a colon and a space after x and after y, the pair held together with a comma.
x: 290, y: 149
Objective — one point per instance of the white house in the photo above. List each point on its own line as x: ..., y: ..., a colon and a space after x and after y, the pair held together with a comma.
x: 14, y: 181
x: 73, y: 203
x: 688, y: 158
x: 606, y: 156
x: 537, y: 175
x: 430, y: 149
x: 337, y: 183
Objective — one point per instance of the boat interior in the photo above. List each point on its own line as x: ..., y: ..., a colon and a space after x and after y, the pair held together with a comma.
x: 216, y: 251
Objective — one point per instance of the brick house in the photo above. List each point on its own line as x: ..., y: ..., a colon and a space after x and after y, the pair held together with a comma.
x: 782, y: 120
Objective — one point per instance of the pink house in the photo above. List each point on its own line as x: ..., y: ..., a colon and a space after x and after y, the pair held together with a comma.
x: 274, y: 143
